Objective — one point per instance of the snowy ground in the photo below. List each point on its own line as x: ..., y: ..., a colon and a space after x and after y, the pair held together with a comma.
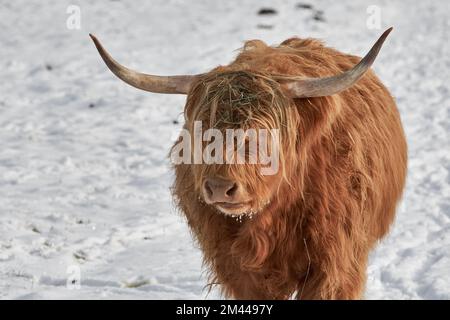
x: 84, y: 174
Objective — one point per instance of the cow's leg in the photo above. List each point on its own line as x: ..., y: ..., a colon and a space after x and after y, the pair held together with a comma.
x: 335, y: 275
x: 246, y: 286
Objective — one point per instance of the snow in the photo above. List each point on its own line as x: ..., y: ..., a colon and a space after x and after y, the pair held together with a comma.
x: 84, y: 172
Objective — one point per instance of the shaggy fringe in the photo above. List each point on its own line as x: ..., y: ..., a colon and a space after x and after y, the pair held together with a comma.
x: 240, y: 100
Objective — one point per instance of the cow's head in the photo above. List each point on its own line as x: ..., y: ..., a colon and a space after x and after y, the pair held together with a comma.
x: 240, y: 136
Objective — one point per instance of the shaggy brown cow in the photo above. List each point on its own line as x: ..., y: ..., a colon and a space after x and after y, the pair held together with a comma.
x: 342, y: 169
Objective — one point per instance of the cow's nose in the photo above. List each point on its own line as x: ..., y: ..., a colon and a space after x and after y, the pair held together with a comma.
x: 219, y: 190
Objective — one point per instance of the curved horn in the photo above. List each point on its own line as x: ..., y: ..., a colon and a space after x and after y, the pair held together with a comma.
x: 320, y: 87
x: 147, y: 82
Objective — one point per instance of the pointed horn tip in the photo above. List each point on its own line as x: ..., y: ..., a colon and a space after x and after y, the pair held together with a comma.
x: 382, y: 38
x: 97, y: 43
x: 387, y: 31
x: 94, y: 38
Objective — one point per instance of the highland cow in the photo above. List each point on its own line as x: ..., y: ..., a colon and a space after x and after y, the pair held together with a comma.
x: 306, y: 231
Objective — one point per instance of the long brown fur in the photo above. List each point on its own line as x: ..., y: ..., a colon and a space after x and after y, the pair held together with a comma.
x: 342, y: 172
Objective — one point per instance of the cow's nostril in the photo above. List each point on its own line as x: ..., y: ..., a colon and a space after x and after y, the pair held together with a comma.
x: 231, y: 191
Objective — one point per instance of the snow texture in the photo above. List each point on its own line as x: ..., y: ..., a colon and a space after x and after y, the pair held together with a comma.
x: 84, y: 173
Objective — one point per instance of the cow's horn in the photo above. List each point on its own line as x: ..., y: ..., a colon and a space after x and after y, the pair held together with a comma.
x: 319, y: 87
x: 147, y: 82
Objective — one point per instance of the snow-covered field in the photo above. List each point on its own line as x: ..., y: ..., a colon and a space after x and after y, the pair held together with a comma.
x: 84, y: 173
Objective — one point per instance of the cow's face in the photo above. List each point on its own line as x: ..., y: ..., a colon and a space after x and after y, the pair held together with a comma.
x: 238, y: 124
